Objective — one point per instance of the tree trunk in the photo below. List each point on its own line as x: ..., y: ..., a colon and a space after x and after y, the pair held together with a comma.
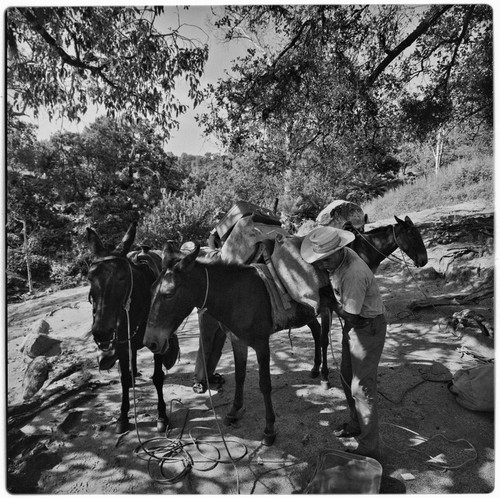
x: 27, y: 254
x: 438, y: 153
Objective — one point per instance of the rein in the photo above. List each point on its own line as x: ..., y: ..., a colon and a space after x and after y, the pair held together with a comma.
x: 403, y: 260
x: 390, y: 256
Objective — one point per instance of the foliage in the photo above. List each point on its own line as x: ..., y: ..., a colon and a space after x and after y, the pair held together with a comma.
x: 40, y: 265
x: 465, y: 180
x: 177, y: 218
x: 66, y: 59
x: 343, y: 85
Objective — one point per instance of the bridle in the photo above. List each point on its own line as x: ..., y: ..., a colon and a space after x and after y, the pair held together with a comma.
x: 125, y: 305
x: 390, y: 256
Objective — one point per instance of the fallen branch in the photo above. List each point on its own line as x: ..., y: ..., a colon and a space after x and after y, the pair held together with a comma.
x: 453, y: 299
x: 20, y: 415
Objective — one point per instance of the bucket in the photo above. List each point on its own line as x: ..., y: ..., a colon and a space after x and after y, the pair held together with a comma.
x: 338, y: 472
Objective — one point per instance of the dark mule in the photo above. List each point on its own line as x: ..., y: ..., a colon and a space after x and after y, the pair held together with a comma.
x: 234, y: 295
x: 377, y: 244
x: 373, y: 247
x: 121, y: 297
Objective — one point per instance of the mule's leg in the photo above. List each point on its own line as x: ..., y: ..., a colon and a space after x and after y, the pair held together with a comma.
x: 126, y: 382
x: 325, y: 330
x: 316, y: 333
x: 158, y: 378
x: 263, y: 357
x: 134, y: 363
x: 240, y: 354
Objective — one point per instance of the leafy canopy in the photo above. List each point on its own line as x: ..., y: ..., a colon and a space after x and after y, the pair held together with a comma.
x: 66, y: 59
x: 352, y: 74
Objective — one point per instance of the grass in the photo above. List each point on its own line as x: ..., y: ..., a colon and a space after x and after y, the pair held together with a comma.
x: 462, y: 181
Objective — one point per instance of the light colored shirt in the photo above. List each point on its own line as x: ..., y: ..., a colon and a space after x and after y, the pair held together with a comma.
x: 355, y: 288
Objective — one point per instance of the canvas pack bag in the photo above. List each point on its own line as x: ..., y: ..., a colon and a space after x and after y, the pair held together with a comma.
x: 474, y: 388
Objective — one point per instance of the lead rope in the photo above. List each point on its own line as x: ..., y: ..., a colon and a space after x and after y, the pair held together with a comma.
x: 201, y: 311
x: 395, y: 258
x: 175, y: 451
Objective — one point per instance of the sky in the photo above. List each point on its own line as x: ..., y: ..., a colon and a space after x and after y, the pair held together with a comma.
x: 189, y: 137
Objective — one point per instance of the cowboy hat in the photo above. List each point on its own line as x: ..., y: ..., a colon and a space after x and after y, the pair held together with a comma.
x: 324, y: 241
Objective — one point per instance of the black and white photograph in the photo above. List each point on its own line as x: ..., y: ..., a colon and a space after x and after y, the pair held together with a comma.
x: 249, y: 249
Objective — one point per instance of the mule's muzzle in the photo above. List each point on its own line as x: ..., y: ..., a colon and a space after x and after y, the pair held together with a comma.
x: 157, y: 346
x: 422, y: 261
x: 107, y: 353
x: 107, y: 359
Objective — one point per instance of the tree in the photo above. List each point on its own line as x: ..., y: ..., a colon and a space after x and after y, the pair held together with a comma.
x: 335, y: 79
x: 66, y: 59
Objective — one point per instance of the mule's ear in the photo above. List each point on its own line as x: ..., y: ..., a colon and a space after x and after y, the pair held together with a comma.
x: 408, y: 221
x: 187, y: 262
x: 94, y: 242
x: 167, y: 255
x: 400, y: 222
x: 128, y: 239
x: 366, y: 218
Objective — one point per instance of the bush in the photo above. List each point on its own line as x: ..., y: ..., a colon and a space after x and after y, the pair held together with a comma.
x: 39, y: 265
x: 178, y: 218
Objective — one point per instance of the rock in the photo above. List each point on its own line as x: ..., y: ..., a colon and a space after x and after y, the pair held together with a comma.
x: 40, y: 345
x: 35, y: 376
x: 40, y: 327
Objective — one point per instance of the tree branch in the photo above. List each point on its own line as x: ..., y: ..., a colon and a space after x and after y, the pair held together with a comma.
x: 435, y: 13
x: 458, y: 42
x: 50, y: 40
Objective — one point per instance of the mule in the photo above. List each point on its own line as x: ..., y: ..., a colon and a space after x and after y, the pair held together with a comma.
x: 379, y: 243
x: 234, y: 295
x: 120, y: 296
x: 372, y: 247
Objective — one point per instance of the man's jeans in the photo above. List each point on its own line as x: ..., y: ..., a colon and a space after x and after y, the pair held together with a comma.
x: 361, y: 351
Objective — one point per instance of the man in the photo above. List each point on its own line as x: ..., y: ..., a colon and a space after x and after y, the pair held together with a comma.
x: 212, y: 339
x: 360, y: 304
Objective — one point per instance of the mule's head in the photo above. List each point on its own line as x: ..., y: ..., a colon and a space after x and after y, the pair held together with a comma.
x: 110, y: 288
x: 410, y: 241
x: 173, y: 297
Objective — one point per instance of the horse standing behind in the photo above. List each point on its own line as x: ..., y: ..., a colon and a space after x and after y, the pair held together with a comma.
x: 120, y: 296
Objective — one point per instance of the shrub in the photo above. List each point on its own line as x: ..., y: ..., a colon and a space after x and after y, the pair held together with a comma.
x: 39, y: 265
x: 178, y: 218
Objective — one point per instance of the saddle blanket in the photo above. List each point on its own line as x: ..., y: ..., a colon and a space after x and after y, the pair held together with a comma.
x: 281, y: 305
x: 301, y: 279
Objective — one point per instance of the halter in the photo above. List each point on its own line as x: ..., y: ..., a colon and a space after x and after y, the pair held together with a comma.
x: 126, y: 302
x: 390, y: 256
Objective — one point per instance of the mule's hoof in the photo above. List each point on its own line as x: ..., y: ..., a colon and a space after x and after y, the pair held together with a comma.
x: 231, y: 419
x: 268, y: 438
x: 325, y: 385
x: 122, y: 426
x: 314, y: 374
x: 161, y: 425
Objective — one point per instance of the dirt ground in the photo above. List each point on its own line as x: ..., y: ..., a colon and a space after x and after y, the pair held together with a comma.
x: 431, y: 444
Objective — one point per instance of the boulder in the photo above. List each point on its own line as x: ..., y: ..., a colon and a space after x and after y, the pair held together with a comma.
x: 38, y: 342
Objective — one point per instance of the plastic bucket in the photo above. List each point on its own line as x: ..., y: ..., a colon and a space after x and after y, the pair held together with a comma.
x: 338, y: 472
